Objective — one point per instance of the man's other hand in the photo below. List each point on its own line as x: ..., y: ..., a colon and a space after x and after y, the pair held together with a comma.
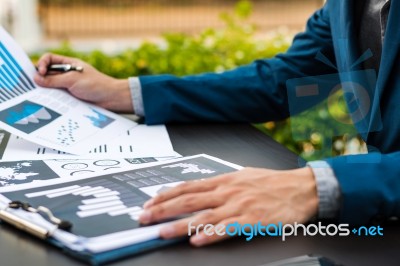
x: 251, y: 195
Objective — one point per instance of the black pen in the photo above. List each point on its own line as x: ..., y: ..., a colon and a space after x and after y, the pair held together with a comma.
x: 64, y: 68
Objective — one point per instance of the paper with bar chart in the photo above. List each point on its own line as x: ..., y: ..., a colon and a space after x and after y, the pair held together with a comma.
x: 114, y: 202
x: 49, y: 117
x: 141, y: 141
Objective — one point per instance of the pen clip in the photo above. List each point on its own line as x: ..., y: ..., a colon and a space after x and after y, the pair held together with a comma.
x: 28, y: 226
x: 61, y: 224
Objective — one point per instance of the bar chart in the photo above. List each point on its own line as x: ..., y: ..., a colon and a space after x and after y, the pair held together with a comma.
x: 99, y: 197
x: 13, y: 79
x: 120, y: 194
x: 113, y: 202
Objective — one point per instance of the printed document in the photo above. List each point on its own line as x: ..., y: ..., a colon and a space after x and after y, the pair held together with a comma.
x: 113, y: 202
x: 141, y: 141
x: 49, y: 117
x: 24, y: 172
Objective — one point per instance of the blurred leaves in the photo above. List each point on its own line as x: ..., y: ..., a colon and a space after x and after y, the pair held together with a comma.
x: 181, y: 54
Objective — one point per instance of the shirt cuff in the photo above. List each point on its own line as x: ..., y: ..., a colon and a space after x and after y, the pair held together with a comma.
x: 136, y: 94
x: 328, y: 189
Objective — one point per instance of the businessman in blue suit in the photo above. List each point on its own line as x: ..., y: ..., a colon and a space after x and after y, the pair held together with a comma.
x: 354, y: 189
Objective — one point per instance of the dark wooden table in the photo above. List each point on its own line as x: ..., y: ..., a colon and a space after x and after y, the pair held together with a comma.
x: 244, y: 145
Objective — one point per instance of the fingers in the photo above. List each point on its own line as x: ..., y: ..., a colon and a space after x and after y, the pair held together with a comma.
x: 55, y: 81
x: 195, y: 223
x: 203, y: 238
x: 184, y: 188
x: 43, y: 63
x: 209, y: 226
x: 48, y: 59
x: 183, y: 204
x: 189, y: 187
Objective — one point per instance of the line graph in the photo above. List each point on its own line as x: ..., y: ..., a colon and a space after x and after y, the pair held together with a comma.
x: 13, y: 79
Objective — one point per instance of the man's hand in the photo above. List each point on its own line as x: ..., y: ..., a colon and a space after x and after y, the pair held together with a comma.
x: 247, y: 196
x: 89, y: 85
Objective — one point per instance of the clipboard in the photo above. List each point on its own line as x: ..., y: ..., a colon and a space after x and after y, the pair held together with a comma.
x: 45, y: 234
x: 62, y: 212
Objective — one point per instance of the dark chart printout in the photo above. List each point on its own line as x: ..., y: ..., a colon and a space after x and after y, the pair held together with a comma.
x: 114, y: 202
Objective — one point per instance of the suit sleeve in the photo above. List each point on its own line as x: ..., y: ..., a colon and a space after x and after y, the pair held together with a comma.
x: 370, y: 187
x: 251, y: 93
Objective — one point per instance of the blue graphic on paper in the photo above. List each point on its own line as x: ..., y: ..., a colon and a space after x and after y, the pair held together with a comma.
x: 13, y: 79
x: 99, y: 120
x: 28, y: 116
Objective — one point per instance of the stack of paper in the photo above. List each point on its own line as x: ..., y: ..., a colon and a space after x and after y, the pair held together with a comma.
x: 69, y: 136
x: 74, y: 161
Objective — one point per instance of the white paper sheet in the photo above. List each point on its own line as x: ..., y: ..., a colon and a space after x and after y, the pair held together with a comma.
x: 49, y: 117
x: 26, y: 172
x: 141, y: 141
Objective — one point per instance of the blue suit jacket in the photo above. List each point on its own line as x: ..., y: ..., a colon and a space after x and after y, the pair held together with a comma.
x: 370, y: 183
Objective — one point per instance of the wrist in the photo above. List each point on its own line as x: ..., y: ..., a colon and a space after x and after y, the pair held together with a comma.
x: 307, y: 187
x: 120, y: 98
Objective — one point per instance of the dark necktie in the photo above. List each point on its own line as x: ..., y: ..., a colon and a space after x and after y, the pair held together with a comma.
x: 371, y: 17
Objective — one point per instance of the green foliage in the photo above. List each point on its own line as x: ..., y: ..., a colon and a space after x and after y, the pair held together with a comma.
x: 213, y: 50
x: 217, y: 50
x: 243, y: 9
